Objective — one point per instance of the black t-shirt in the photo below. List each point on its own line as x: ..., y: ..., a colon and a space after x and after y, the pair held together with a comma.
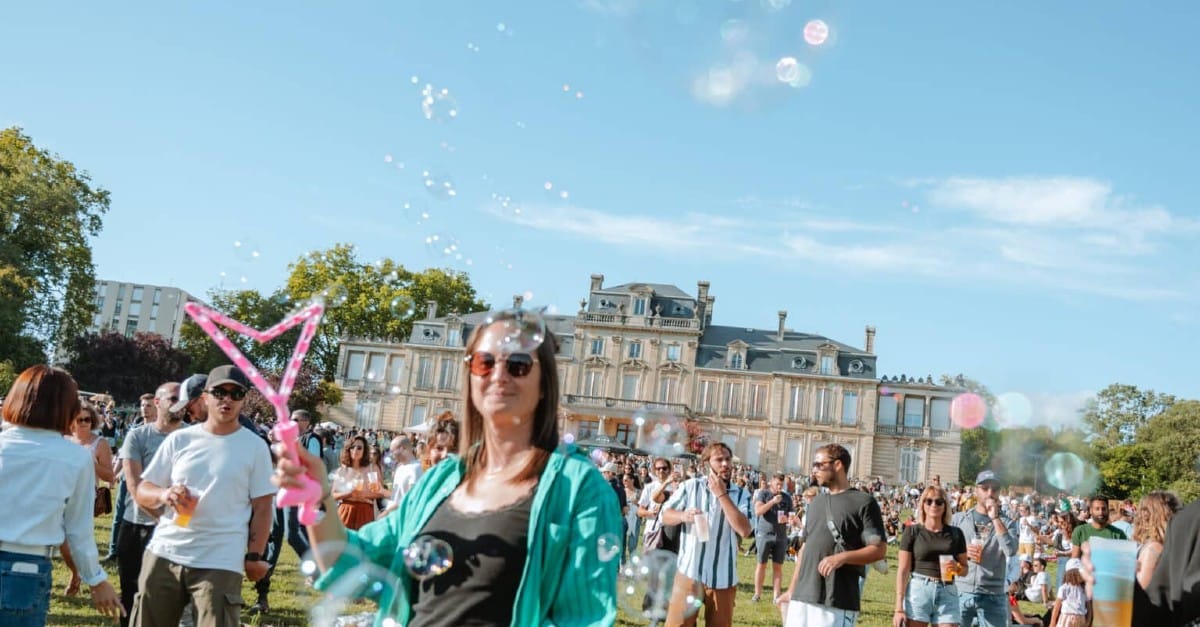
x: 480, y: 588
x: 926, y: 546
x: 769, y: 523
x: 859, y: 521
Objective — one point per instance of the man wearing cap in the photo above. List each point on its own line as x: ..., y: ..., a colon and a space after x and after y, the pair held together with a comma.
x: 138, y: 525
x: 215, y: 481
x: 991, y: 541
x: 189, y: 405
x: 610, y: 471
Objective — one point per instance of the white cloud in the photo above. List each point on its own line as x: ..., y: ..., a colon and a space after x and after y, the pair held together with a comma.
x: 1071, y: 235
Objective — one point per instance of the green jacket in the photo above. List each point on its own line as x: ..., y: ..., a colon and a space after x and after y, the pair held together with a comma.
x: 565, y: 582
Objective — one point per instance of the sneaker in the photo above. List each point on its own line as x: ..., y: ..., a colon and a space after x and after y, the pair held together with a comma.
x: 260, y: 607
x: 755, y: 599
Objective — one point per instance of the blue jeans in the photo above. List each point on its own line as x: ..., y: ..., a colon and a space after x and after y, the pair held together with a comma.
x: 286, y: 523
x: 991, y: 610
x: 24, y: 595
x: 118, y: 515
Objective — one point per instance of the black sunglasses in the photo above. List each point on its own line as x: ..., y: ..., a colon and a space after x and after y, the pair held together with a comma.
x: 483, y: 363
x: 236, y: 394
x: 660, y: 468
x: 938, y: 502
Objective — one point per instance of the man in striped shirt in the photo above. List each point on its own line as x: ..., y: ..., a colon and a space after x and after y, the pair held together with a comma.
x: 707, y: 559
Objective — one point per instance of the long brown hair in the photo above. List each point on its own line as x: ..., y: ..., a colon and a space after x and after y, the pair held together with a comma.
x: 43, y: 397
x: 1153, y: 513
x: 933, y: 492
x: 348, y: 461
x: 471, y: 446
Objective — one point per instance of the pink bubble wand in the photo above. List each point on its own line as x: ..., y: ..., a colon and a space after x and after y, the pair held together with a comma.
x: 287, y: 432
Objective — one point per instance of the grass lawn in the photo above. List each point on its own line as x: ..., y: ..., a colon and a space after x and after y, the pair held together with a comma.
x: 291, y: 600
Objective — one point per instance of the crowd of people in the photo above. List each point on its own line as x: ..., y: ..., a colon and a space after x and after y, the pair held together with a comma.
x: 523, y: 515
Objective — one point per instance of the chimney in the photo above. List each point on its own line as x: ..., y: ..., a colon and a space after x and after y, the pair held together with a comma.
x: 782, y: 320
x: 870, y: 347
x: 430, y: 309
x: 517, y: 300
x: 597, y: 282
x: 702, y: 291
x: 708, y: 310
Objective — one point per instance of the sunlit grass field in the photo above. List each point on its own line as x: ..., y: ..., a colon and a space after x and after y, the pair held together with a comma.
x: 291, y: 601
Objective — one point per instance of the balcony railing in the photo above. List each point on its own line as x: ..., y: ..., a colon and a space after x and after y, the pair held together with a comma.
x: 901, y: 430
x: 609, y: 402
x: 619, y: 319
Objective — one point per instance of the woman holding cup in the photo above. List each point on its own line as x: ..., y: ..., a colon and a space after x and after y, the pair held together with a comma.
x: 932, y: 553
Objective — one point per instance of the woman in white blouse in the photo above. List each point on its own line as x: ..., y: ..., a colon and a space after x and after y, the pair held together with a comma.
x: 48, y: 492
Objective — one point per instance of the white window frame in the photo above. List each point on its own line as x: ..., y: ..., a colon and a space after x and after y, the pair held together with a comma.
x: 850, y: 404
x: 706, y: 396
x: 674, y: 351
x: 757, y: 402
x: 597, y: 347
x: 732, y: 398
x: 630, y: 392
x: 635, y: 350
x: 796, y: 403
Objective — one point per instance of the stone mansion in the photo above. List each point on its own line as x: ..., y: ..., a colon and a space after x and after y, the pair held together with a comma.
x: 774, y: 395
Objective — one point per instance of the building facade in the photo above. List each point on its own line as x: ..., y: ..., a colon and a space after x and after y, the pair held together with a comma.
x: 129, y: 308
x: 773, y: 395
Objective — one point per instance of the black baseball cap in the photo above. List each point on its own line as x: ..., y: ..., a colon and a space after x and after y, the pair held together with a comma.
x: 190, y: 390
x: 227, y: 374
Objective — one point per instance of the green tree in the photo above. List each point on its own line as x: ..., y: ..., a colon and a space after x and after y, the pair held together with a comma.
x: 124, y: 367
x: 1117, y: 412
x: 252, y: 308
x: 8, y: 375
x: 310, y: 392
x: 48, y: 212
x: 379, y: 300
x: 1172, y: 441
x: 1127, y: 471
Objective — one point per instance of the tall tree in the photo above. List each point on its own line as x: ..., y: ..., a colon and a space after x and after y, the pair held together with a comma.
x: 379, y: 300
x: 8, y: 375
x: 252, y: 308
x: 48, y: 212
x: 1117, y: 412
x: 1172, y: 442
x: 124, y: 367
x: 310, y: 392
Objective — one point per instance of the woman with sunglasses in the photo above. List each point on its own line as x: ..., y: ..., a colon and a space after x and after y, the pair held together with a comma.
x: 48, y: 493
x: 925, y: 592
x: 523, y: 517
x: 82, y: 434
x: 353, y: 490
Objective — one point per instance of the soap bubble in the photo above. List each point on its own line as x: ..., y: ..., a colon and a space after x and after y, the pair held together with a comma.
x: 787, y: 69
x: 524, y: 329
x: 427, y: 557
x: 402, y: 306
x: 437, y: 104
x: 598, y: 456
x: 325, y: 553
x: 645, y: 583
x: 335, y: 295
x: 233, y: 279
x: 1069, y: 473
x: 734, y: 31
x: 365, y: 581
x: 246, y: 250
x: 608, y: 546
x: 414, y: 212
x: 665, y: 434
x: 816, y: 32
x: 444, y: 246
x: 1013, y: 409
x: 438, y: 184
x: 968, y: 410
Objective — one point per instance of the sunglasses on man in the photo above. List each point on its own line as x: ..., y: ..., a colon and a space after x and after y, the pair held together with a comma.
x: 236, y: 394
x: 482, y: 363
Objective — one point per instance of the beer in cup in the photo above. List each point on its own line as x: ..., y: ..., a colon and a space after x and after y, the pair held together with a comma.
x: 949, y: 566
x: 1115, y: 564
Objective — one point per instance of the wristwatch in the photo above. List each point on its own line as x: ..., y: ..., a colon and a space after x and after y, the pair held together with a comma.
x: 253, y: 557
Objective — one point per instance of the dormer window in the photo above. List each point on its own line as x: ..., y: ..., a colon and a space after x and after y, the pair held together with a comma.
x: 827, y: 364
x: 800, y: 363
x: 639, y: 306
x: 737, y: 355
x: 736, y: 361
x: 452, y: 337
x: 856, y: 366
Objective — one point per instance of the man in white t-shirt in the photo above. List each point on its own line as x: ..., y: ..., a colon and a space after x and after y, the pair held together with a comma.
x: 216, y: 479
x: 1028, y: 526
x: 408, y: 470
x: 653, y: 495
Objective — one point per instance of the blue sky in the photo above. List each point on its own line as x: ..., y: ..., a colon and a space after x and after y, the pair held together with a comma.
x: 1003, y: 189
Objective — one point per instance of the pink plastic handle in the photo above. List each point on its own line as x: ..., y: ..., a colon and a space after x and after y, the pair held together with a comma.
x: 287, y: 432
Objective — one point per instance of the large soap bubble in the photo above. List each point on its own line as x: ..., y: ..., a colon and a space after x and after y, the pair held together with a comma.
x: 427, y: 557
x: 645, y: 584
x: 664, y: 432
x: 524, y: 329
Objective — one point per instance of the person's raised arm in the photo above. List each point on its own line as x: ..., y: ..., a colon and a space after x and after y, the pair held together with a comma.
x: 904, y: 561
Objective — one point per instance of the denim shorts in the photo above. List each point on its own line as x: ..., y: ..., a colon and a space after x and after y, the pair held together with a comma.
x: 24, y: 589
x: 931, y: 601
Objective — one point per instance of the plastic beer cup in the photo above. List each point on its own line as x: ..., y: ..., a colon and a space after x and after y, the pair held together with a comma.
x: 1115, y: 564
x: 700, y: 526
x: 184, y: 509
x: 949, y: 566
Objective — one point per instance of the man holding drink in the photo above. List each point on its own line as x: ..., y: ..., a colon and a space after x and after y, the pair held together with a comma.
x: 706, y: 507
x: 772, y: 507
x: 991, y: 540
x: 215, y: 479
